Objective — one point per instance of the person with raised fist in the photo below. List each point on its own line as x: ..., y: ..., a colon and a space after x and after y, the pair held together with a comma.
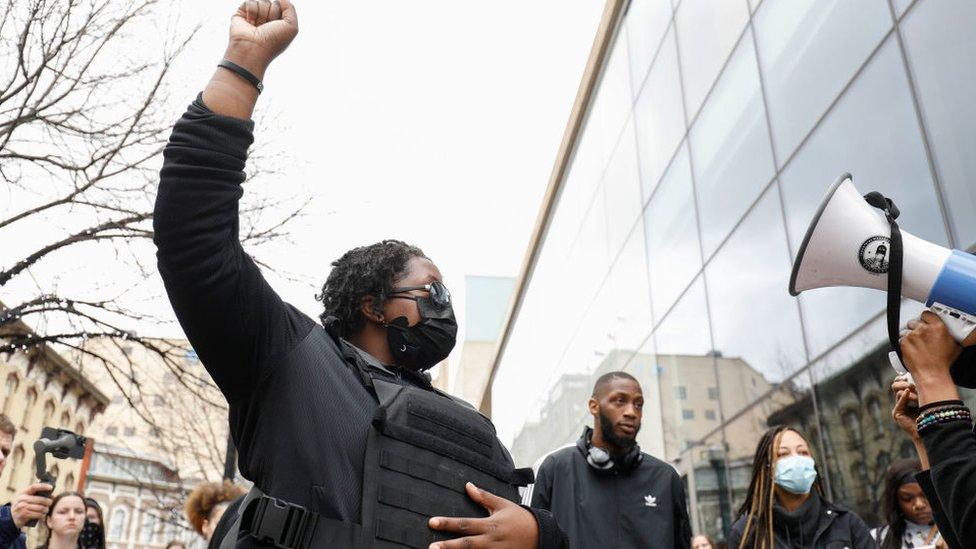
x: 336, y: 422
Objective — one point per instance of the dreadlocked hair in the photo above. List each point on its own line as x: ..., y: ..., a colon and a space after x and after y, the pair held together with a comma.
x: 894, y: 518
x: 758, y: 506
x: 365, y: 271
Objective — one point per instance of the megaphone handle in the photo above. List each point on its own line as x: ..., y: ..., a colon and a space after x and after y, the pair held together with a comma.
x: 897, y: 365
x: 960, y: 324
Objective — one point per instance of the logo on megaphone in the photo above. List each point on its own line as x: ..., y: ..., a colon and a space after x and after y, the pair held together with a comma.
x: 849, y: 244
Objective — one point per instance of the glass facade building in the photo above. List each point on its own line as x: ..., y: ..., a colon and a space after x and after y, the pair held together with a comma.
x: 714, y: 130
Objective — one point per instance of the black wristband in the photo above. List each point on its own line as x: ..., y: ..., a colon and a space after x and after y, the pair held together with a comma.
x: 931, y: 405
x: 243, y: 73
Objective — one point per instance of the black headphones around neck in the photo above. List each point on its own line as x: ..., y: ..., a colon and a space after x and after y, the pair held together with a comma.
x: 602, y: 460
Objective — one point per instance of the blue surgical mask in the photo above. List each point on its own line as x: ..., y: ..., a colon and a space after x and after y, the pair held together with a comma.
x: 796, y: 474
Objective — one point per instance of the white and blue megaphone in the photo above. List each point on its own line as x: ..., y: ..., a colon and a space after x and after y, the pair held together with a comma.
x: 849, y: 244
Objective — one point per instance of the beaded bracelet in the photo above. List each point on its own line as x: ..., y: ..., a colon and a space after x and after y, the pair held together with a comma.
x: 940, y: 404
x: 943, y: 415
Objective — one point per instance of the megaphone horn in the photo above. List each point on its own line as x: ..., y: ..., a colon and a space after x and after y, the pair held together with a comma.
x: 849, y: 244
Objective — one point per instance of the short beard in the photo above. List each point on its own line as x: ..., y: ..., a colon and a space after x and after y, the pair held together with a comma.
x: 606, y: 428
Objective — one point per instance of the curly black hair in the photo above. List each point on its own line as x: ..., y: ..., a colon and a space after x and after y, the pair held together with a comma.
x: 365, y: 271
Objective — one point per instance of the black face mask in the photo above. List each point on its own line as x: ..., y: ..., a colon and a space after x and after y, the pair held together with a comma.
x: 91, y: 536
x: 422, y: 346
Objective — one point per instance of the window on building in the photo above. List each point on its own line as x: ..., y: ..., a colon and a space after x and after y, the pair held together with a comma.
x: 884, y: 460
x: 65, y: 420
x: 687, y: 414
x: 874, y: 407
x: 10, y: 389
x: 48, y: 413
x: 117, y: 524
x: 28, y: 408
x: 112, y: 431
x: 148, y: 527
x: 80, y: 427
x: 129, y: 431
x: 907, y: 450
x: 853, y: 425
x: 710, y: 414
x: 69, y: 482
x: 18, y: 459
x: 713, y: 393
x: 681, y: 393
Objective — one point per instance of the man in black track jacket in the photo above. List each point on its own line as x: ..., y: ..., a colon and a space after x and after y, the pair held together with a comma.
x: 315, y: 408
x: 604, y: 492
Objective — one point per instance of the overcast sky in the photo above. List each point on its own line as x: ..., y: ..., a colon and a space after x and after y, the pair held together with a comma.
x: 435, y: 122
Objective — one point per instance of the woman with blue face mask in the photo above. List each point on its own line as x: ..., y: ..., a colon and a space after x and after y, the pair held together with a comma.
x: 785, y: 507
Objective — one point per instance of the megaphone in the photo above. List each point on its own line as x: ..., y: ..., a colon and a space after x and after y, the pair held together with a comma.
x: 849, y: 244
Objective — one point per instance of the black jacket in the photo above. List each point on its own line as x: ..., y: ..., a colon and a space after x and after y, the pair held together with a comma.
x: 952, y: 487
x: 644, y: 507
x: 946, y: 530
x: 301, y: 430
x: 833, y: 527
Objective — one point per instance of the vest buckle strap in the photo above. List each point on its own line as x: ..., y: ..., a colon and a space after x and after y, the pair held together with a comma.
x: 286, y: 525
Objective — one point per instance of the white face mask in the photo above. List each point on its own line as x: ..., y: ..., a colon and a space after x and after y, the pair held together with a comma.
x: 796, y: 474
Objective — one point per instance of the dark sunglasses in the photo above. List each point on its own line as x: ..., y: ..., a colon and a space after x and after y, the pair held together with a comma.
x: 439, y: 294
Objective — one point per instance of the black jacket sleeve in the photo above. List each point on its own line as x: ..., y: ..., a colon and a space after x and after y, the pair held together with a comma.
x: 952, y: 454
x: 550, y: 536
x: 682, y: 523
x: 542, y: 489
x: 232, y: 317
x: 941, y: 520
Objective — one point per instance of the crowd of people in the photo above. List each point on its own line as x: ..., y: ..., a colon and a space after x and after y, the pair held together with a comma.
x: 70, y: 520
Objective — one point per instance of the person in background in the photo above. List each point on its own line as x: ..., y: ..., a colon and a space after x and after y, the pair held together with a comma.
x: 702, y: 541
x: 64, y: 521
x: 785, y: 507
x: 207, y: 503
x: 27, y: 505
x: 93, y: 533
x: 604, y: 491
x: 906, y: 511
x: 175, y: 545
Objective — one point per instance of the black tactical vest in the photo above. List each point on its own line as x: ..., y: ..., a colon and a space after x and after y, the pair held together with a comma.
x: 422, y: 447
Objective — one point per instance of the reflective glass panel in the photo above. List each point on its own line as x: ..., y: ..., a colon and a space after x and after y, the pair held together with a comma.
x: 586, y: 171
x: 684, y: 360
x: 646, y: 23
x: 901, y: 6
x: 621, y: 183
x: 747, y: 281
x: 707, y: 32
x: 942, y: 52
x: 614, y: 98
x: 808, y: 50
x: 673, y: 251
x: 658, y: 116
x: 631, y: 323
x: 872, y: 133
x: 855, y: 412
x: 706, y: 474
x: 730, y: 149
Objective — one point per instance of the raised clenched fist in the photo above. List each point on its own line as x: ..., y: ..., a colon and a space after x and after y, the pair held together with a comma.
x: 260, y: 31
